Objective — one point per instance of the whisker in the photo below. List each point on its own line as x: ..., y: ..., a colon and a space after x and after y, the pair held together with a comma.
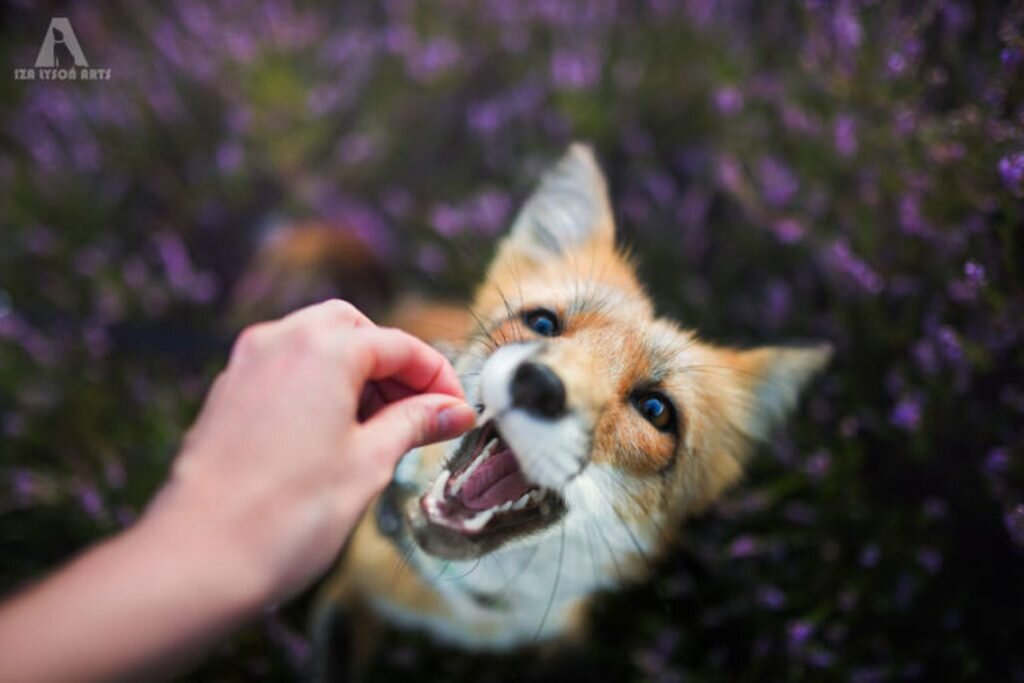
x: 554, y: 587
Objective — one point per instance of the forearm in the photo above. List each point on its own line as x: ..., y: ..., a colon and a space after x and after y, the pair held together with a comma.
x: 141, y: 604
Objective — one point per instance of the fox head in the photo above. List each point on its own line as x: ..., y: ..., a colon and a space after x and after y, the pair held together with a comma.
x: 597, y: 416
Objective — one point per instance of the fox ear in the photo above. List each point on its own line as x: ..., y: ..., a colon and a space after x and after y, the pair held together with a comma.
x: 774, y: 377
x: 568, y: 210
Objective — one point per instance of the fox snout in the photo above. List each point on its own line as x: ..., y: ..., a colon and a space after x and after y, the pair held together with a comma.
x: 531, y: 399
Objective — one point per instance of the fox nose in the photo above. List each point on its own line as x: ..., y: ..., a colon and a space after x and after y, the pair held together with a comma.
x: 538, y: 390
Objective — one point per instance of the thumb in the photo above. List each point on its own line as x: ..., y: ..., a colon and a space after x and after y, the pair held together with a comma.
x: 416, y: 421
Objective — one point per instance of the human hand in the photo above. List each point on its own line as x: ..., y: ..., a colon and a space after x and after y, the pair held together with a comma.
x: 297, y: 434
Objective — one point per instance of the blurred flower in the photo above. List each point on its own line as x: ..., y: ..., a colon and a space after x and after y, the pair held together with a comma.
x: 1011, y: 168
x: 778, y: 183
x: 798, y: 633
x: 575, y: 69
x: 845, y: 135
x: 744, y: 546
x: 771, y: 597
x: 870, y: 555
x: 1014, y: 520
x: 728, y: 100
x: 907, y: 413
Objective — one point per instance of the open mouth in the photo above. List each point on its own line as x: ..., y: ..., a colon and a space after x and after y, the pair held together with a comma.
x: 484, y: 496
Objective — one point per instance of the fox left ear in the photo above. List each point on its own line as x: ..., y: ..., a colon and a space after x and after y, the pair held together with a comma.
x: 774, y: 377
x: 567, y: 211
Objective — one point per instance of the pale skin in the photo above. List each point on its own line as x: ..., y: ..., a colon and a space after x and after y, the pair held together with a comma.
x: 303, y: 427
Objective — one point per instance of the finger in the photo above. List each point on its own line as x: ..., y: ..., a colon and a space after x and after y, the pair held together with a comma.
x: 377, y: 394
x: 416, y: 421
x: 383, y: 353
x: 331, y: 312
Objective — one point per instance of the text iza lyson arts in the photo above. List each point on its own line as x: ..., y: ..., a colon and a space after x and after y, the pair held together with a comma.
x: 61, y: 58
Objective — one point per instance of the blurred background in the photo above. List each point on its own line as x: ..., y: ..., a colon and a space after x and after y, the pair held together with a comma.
x: 850, y: 170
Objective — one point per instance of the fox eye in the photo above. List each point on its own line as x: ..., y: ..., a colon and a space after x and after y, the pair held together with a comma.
x: 543, y: 322
x: 656, y: 409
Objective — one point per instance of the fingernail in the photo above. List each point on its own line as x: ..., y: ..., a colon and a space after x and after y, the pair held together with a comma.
x: 455, y: 419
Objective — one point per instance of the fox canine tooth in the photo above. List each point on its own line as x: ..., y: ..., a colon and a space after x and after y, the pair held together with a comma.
x: 484, y: 454
x: 522, y: 502
x: 437, y: 490
x: 477, y: 521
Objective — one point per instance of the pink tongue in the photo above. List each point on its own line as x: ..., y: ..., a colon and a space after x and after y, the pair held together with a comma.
x: 495, y: 481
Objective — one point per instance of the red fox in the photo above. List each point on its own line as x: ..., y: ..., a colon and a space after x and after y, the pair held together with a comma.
x: 602, y: 426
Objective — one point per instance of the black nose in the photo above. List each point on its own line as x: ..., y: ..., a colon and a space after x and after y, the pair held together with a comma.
x: 537, y: 390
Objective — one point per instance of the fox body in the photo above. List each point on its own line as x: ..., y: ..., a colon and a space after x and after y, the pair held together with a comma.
x: 602, y: 427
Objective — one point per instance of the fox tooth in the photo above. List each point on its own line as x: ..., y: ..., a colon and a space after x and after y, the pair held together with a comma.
x: 484, y: 454
x: 477, y: 521
x: 437, y: 490
x: 522, y: 502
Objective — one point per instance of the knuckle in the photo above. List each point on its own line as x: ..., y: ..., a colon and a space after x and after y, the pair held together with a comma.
x: 340, y: 309
x: 251, y: 340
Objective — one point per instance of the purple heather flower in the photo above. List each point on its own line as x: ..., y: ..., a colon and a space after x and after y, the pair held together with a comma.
x: 798, y: 632
x: 1011, y: 168
x: 778, y: 303
x: 788, y: 230
x: 485, y: 117
x: 90, y: 500
x: 771, y: 597
x: 1014, y: 520
x: 447, y: 220
x: 949, y: 344
x: 728, y: 100
x: 660, y: 186
x: 778, y: 182
x: 729, y: 174
x: 229, y: 157
x: 575, y: 69
x: 820, y: 659
x: 489, y: 211
x: 906, y: 414
x: 744, y: 546
x: 356, y: 149
x: 911, y: 220
x: 25, y: 486
x: 870, y: 556
x: 896, y: 63
x: 848, y: 263
x: 818, y: 464
x: 997, y: 461
x: 432, y: 59
x: 925, y: 356
x: 1011, y: 56
x: 847, y: 27
x: 844, y: 133
x: 974, y: 272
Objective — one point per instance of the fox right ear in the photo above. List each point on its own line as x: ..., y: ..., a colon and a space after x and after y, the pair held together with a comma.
x: 567, y: 211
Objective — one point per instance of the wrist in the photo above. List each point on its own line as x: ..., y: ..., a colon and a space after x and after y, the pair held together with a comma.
x: 183, y: 527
